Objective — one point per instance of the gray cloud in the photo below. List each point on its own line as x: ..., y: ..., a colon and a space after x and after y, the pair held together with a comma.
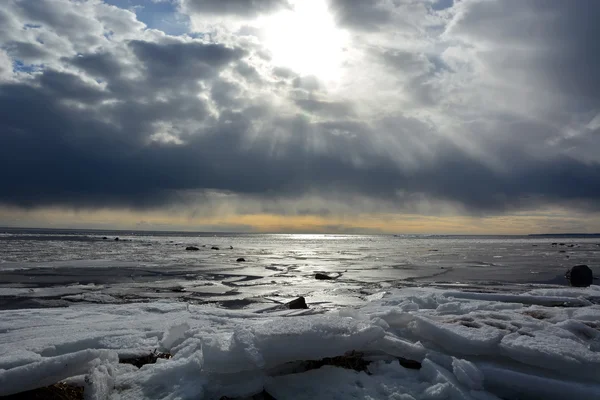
x: 142, y: 119
x: 530, y: 41
x: 365, y: 15
x: 245, y: 8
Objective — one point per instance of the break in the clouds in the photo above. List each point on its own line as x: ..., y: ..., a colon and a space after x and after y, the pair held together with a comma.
x: 483, y: 107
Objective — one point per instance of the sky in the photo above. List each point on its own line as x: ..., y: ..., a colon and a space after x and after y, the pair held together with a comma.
x: 342, y: 116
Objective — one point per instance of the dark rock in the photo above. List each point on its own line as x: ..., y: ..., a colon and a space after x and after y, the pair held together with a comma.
x: 406, y: 363
x: 241, y: 259
x: 322, y: 277
x: 192, y: 248
x: 146, y: 359
x: 58, y: 391
x: 554, y: 244
x: 561, y: 244
x: 571, y: 245
x: 117, y: 239
x: 214, y: 248
x: 230, y: 247
x: 534, y: 245
x: 351, y: 360
x: 580, y: 276
x: 264, y: 395
x: 104, y: 238
x: 297, y: 304
x: 562, y: 251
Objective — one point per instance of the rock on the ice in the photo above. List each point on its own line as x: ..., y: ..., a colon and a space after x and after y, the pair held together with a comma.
x: 214, y: 248
x: 192, y: 248
x: 241, y: 259
x: 297, y: 304
x: 322, y: 277
x: 580, y: 276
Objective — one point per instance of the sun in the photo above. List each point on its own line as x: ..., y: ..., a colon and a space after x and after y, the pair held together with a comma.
x: 305, y: 38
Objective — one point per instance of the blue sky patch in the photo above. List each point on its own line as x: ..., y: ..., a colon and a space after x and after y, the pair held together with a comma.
x: 162, y: 15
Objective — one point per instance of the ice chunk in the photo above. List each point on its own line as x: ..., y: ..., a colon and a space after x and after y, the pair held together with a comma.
x: 467, y: 373
x: 523, y: 299
x: 174, y: 335
x: 514, y: 384
x: 465, y: 307
x: 552, y: 352
x: 99, y: 382
x: 17, y: 358
x: 399, y: 347
x: 282, y: 340
x: 592, y: 291
x: 395, y: 318
x: 174, y: 379
x: 483, y: 395
x: 93, y: 298
x: 450, y: 387
x: 51, y: 370
x: 439, y: 391
x: 387, y: 381
x: 458, y: 339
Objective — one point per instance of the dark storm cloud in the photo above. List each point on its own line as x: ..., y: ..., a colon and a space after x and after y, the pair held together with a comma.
x: 102, y: 65
x: 65, y: 157
x: 246, y: 8
x: 62, y: 86
x: 147, y: 121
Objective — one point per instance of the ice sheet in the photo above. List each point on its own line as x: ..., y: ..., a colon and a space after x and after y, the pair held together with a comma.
x: 470, y: 345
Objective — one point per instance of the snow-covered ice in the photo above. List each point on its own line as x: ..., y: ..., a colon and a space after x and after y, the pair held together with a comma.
x: 543, y: 344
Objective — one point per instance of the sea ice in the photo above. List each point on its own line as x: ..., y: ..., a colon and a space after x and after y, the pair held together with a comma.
x: 543, y: 344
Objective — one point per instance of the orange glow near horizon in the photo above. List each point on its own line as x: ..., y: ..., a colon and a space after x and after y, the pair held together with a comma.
x: 522, y: 223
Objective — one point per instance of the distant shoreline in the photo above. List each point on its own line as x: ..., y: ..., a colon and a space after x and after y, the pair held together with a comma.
x: 573, y: 235
x: 14, y: 229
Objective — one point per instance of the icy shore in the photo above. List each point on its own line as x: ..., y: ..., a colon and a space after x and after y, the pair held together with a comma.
x: 544, y: 344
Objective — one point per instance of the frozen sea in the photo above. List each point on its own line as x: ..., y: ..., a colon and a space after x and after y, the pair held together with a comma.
x: 485, y: 317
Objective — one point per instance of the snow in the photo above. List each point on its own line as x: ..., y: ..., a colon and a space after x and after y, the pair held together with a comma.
x: 540, y: 344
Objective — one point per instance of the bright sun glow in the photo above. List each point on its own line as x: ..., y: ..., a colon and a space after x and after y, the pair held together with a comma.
x: 306, y: 39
